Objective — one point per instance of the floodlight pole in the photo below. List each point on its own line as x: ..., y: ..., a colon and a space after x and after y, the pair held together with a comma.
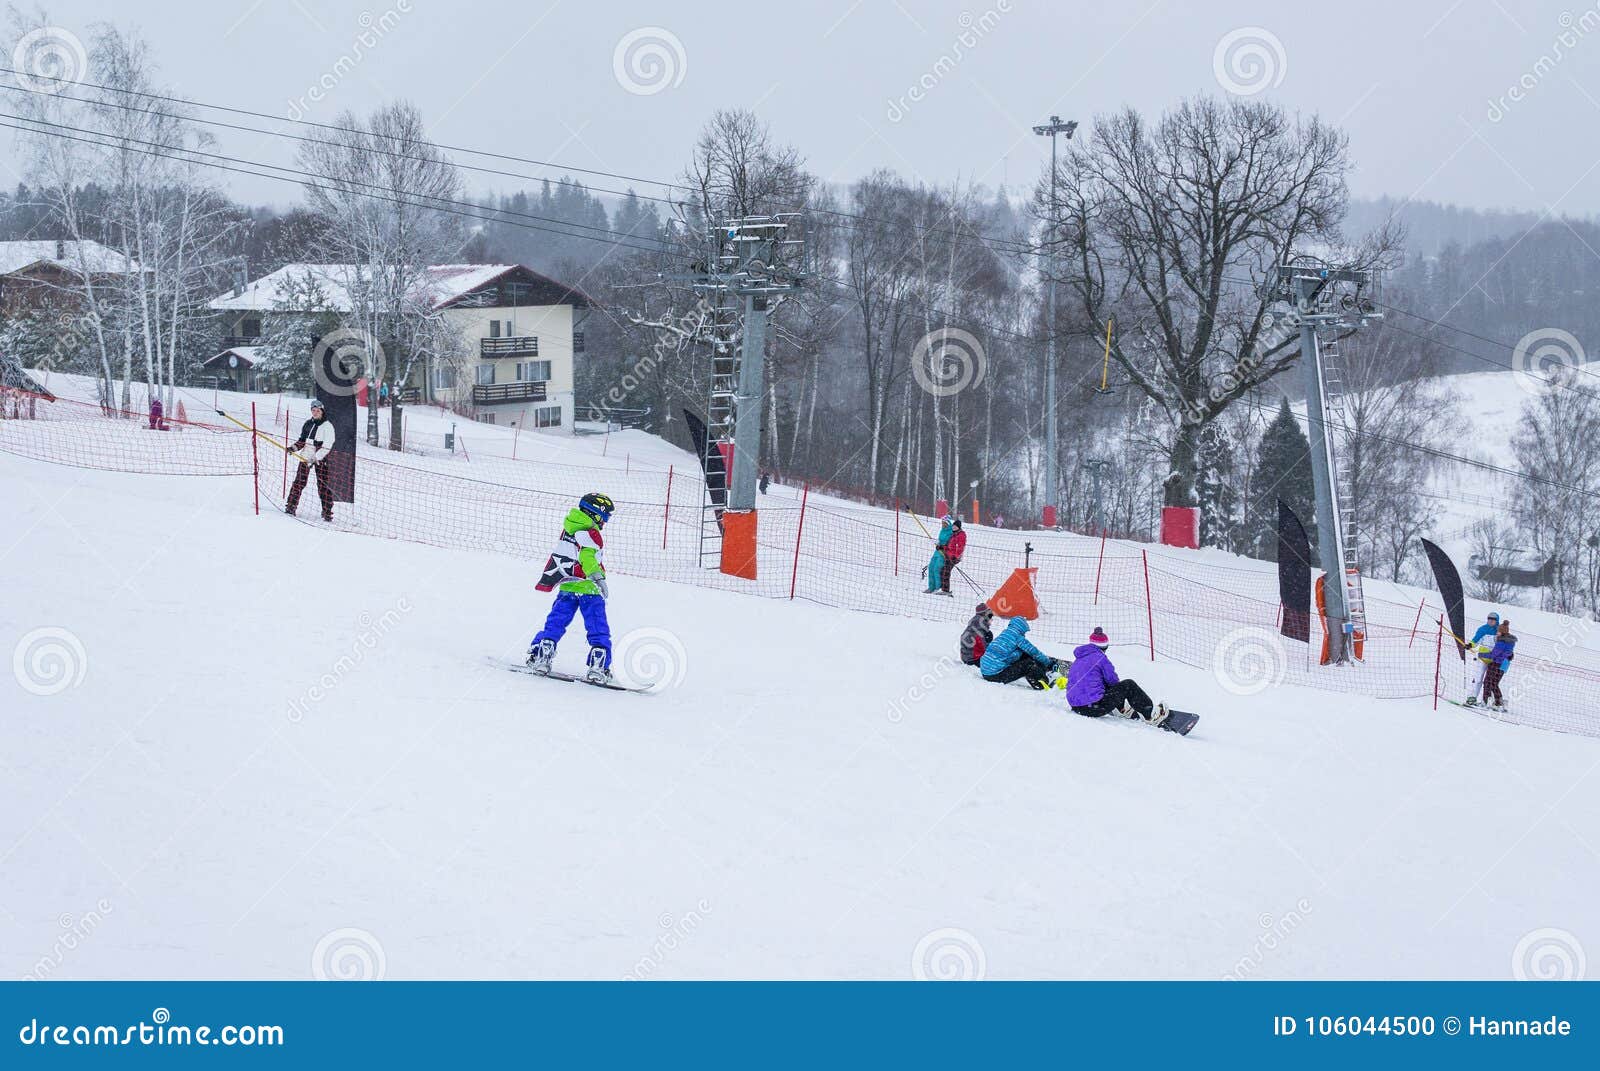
x: 1052, y: 477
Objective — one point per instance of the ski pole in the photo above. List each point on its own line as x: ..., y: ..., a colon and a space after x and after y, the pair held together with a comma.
x: 929, y: 534
x: 263, y: 435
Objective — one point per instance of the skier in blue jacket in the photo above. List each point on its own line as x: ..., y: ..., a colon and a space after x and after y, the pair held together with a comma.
x: 1479, y: 646
x: 1011, y: 657
x: 937, y: 569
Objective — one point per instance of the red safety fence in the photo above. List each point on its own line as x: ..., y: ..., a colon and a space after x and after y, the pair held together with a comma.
x: 1205, y: 610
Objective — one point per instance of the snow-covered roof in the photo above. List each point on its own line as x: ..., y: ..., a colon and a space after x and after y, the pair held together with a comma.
x: 440, y: 284
x: 15, y: 256
x: 248, y: 356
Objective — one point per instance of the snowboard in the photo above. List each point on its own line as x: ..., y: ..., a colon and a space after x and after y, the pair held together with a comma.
x: 570, y: 678
x: 1180, y: 721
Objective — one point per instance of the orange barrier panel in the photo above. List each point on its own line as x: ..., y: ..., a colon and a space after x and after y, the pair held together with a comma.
x: 1015, y: 597
x: 739, y: 543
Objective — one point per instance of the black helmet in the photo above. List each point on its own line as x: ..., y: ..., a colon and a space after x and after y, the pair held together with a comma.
x: 598, y: 506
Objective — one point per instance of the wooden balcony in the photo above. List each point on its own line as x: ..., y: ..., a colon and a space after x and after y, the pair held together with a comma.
x: 231, y: 341
x: 499, y: 393
x: 514, y: 346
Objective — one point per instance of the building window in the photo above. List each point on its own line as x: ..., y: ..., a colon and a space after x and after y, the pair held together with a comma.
x: 509, y: 331
x: 485, y: 418
x: 547, y: 417
x: 494, y: 328
x: 251, y: 327
x: 485, y: 375
x: 444, y: 378
x: 577, y: 342
x: 533, y: 371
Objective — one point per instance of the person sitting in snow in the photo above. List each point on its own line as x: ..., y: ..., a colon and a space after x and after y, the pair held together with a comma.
x: 577, y: 565
x: 1094, y: 689
x: 1479, y: 646
x: 1500, y: 656
x: 1011, y: 657
x: 938, y: 565
x: 977, y: 636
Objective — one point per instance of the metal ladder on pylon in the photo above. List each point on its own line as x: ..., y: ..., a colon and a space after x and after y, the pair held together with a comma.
x: 1338, y: 419
x: 721, y: 331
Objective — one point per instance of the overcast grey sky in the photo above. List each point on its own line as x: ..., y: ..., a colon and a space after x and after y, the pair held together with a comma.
x: 1422, y: 88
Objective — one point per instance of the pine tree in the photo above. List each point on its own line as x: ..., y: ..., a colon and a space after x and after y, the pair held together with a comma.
x: 1283, y: 470
x: 1216, y: 490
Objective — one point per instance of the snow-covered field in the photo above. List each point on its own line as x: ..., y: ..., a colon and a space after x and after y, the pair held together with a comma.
x: 246, y: 747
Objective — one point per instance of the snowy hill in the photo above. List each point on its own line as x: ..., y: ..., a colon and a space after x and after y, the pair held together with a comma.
x: 250, y: 747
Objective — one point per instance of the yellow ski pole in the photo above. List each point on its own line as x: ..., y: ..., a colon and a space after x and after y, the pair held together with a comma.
x: 263, y: 435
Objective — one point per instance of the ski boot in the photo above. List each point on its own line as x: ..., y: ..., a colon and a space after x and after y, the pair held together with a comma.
x: 599, y: 671
x: 541, y: 655
x: 1158, y: 714
x: 1472, y: 701
x: 1126, y: 711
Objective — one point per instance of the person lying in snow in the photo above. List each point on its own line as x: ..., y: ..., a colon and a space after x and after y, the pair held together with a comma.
x: 1094, y: 689
x: 1011, y: 657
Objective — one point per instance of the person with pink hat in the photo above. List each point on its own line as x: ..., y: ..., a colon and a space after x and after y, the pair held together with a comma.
x: 1094, y: 689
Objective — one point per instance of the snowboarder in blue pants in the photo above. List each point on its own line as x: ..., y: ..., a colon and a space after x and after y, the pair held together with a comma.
x: 577, y: 564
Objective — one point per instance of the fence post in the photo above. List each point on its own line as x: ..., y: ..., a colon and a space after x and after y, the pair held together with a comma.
x: 794, y: 575
x: 1416, y: 622
x: 1149, y: 611
x: 1098, y: 566
x: 896, y: 535
x: 666, y: 512
x: 1438, y: 657
x: 255, y: 459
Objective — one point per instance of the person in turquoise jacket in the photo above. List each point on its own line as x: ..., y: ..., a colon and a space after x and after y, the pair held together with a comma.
x: 936, y: 564
x: 1011, y: 657
x: 577, y: 565
x: 1478, y: 648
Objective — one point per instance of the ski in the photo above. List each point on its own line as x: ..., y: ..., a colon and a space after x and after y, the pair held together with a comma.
x: 557, y: 675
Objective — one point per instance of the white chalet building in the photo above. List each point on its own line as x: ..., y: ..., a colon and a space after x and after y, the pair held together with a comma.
x: 523, y: 331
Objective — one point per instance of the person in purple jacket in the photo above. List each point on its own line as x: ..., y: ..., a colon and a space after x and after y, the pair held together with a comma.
x: 1094, y: 689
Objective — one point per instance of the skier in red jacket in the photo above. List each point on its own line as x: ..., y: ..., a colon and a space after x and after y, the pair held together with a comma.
x: 954, y: 548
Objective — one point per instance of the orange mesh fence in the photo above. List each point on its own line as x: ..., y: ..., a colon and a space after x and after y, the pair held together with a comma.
x: 1154, y: 602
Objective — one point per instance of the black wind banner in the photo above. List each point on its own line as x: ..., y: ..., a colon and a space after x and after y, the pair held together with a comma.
x: 716, y: 470
x: 1294, y: 575
x: 1448, y: 581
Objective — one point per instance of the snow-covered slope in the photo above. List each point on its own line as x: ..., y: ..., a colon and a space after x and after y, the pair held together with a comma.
x: 269, y: 749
